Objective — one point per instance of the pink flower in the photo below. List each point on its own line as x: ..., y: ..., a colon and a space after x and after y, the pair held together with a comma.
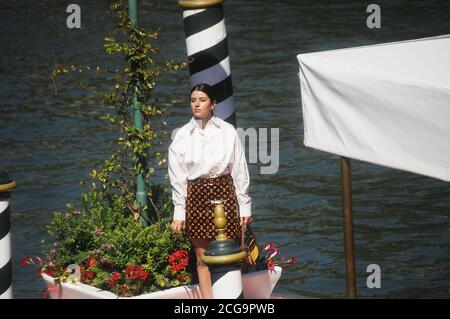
x: 291, y: 260
x: 52, y: 288
x: 275, y: 252
x: 44, y: 293
x: 271, y: 247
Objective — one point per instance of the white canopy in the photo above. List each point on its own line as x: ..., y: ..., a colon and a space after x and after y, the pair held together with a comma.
x: 387, y: 104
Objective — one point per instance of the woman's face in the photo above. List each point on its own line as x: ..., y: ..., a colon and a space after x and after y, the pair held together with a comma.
x: 201, y: 105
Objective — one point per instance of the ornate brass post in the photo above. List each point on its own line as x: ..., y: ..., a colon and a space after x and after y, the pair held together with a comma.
x: 224, y: 258
x: 222, y: 250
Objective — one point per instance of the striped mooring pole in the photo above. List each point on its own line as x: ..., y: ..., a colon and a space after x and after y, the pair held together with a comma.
x: 224, y: 258
x: 6, y: 186
x: 207, y: 50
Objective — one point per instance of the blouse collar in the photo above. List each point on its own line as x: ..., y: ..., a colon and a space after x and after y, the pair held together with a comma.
x: 194, y: 123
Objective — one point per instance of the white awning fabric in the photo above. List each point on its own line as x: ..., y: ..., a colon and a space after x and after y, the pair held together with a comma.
x: 387, y: 104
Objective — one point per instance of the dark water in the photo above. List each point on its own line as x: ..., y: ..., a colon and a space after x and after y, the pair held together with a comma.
x: 50, y: 142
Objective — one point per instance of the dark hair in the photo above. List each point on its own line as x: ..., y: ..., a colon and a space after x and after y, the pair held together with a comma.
x: 205, y: 88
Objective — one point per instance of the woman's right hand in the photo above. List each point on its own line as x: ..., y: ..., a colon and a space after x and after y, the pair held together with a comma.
x: 178, y: 226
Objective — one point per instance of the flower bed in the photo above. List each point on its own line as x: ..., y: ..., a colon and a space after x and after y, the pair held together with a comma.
x: 256, y: 285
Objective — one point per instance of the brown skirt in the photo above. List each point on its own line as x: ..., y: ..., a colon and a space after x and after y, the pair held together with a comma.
x: 200, y: 210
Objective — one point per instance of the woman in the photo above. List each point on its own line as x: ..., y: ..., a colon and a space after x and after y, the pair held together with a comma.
x: 207, y: 162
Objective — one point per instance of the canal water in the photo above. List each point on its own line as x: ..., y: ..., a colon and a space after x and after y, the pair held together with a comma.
x: 49, y: 142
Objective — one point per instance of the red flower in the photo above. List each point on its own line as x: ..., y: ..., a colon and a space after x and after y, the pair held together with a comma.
x: 143, y: 275
x: 91, y: 262
x: 88, y: 274
x: 51, y: 271
x: 112, y: 282
x: 24, y: 262
x: 136, y: 272
x: 39, y: 273
x: 179, y: 260
x: 270, y: 265
x: 116, y: 276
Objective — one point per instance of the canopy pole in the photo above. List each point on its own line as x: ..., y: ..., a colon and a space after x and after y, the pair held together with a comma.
x: 348, y: 227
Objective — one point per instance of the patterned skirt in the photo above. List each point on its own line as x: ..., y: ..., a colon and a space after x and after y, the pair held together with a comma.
x: 200, y: 210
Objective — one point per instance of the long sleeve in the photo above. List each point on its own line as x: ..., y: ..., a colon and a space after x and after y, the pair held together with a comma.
x: 178, y: 175
x: 241, y: 179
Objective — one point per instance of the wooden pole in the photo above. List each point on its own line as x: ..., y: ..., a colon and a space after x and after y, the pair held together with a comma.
x: 348, y: 228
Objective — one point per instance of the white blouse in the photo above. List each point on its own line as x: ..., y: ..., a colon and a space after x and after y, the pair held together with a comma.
x: 209, y: 152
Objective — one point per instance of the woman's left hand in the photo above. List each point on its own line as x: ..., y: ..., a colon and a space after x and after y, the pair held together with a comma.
x: 247, y: 220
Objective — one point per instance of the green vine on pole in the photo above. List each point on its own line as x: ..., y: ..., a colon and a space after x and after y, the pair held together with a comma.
x: 136, y: 154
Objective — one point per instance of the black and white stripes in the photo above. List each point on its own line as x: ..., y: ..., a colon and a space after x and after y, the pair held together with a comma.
x: 5, y: 239
x: 207, y: 50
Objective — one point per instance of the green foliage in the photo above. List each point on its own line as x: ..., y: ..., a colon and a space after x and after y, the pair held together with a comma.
x: 137, y: 147
x: 114, y: 251
x: 136, y: 151
x: 103, y: 241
